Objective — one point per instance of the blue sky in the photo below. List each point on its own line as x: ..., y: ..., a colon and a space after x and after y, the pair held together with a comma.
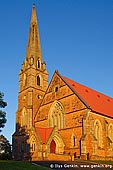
x: 76, y: 38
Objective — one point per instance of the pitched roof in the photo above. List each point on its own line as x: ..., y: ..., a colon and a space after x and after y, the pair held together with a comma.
x: 97, y: 101
x: 44, y: 133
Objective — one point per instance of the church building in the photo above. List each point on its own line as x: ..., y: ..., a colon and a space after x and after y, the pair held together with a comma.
x: 62, y: 120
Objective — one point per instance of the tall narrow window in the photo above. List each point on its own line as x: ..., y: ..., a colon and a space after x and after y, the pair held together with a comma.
x: 38, y: 80
x: 74, y: 140
x: 33, y: 145
x: 98, y: 132
x: 110, y: 131
x: 38, y: 63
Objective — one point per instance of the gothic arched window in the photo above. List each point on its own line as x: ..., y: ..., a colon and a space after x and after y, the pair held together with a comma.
x: 33, y: 144
x: 56, y: 115
x: 38, y: 64
x: 73, y: 140
x: 38, y: 80
x: 110, y: 131
x: 98, y: 132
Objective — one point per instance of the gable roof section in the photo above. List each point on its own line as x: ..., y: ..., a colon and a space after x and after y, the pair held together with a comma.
x: 44, y: 133
x: 97, y: 101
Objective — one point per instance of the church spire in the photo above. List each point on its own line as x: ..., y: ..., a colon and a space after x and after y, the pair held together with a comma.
x: 34, y: 17
x: 33, y: 48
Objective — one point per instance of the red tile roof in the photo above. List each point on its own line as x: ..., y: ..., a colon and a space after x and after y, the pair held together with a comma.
x: 97, y: 101
x: 44, y: 133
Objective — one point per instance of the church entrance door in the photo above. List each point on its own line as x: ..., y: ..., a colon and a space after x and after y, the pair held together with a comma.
x: 52, y: 147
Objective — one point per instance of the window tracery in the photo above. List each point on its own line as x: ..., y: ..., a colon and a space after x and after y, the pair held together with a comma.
x: 33, y: 144
x: 56, y: 115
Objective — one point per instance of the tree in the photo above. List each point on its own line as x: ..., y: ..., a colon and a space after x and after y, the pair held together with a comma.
x: 2, y: 113
x: 5, y: 148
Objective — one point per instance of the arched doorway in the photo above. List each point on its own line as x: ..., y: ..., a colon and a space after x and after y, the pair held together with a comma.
x: 52, y: 147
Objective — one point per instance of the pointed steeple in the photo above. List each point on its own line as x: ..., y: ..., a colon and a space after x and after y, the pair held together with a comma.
x: 34, y: 17
x: 33, y: 51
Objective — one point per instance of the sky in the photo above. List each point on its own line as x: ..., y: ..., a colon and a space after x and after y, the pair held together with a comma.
x: 76, y: 39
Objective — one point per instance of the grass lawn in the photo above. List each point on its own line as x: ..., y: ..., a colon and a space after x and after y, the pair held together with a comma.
x: 103, y: 162
x: 13, y: 165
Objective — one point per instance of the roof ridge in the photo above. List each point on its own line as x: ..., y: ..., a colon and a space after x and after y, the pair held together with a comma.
x: 88, y: 87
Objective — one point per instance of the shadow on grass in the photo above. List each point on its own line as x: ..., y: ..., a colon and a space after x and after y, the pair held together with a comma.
x: 17, y: 165
x: 102, y: 162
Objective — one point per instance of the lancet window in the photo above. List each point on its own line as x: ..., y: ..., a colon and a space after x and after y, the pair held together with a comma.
x: 38, y: 80
x: 56, y: 115
x: 110, y: 131
x: 73, y: 140
x: 33, y: 144
x: 98, y: 132
x: 38, y: 64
